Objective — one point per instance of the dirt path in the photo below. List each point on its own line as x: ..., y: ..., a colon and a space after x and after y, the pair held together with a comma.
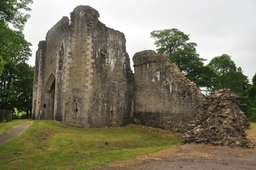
x: 194, y: 156
x: 12, y: 133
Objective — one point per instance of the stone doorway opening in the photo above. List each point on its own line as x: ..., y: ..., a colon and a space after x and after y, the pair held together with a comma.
x: 49, y: 98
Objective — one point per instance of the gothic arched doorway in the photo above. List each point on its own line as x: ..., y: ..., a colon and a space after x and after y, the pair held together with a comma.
x: 49, y: 98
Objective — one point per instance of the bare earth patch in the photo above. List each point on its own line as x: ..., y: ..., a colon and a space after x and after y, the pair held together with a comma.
x: 251, y: 134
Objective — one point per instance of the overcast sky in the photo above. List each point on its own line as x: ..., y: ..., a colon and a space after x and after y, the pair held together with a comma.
x: 217, y: 26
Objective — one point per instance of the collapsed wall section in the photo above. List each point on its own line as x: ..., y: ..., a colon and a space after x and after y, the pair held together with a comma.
x: 164, y: 97
x: 219, y: 122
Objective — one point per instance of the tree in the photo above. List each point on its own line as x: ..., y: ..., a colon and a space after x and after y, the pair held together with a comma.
x: 208, y: 79
x: 15, y: 74
x: 24, y: 87
x: 254, y: 80
x: 248, y: 100
x: 175, y: 45
x: 12, y: 41
x: 12, y: 12
x: 251, y: 91
x: 16, y: 86
x: 229, y: 76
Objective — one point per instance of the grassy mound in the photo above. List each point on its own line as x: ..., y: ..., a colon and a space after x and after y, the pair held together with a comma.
x: 49, y: 145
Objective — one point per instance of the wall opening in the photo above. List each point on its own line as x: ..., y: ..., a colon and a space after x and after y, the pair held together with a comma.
x: 49, y: 98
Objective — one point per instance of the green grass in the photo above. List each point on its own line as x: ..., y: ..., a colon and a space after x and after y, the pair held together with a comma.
x: 6, y: 126
x: 49, y: 145
x: 252, y: 124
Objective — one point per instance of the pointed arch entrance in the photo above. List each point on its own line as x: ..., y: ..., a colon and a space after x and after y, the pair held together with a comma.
x: 49, y: 98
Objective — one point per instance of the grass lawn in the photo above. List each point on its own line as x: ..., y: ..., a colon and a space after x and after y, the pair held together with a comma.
x: 6, y: 126
x: 49, y: 145
x: 252, y: 124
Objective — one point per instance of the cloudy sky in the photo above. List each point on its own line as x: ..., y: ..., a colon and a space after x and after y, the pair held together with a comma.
x: 217, y: 26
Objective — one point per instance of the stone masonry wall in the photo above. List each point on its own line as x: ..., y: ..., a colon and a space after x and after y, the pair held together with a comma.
x: 38, y: 80
x: 97, y: 88
x: 164, y: 97
x: 47, y: 90
x: 86, y: 75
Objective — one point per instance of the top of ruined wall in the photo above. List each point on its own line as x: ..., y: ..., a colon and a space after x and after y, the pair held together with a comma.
x: 147, y: 56
x: 150, y: 56
x: 60, y: 27
x: 90, y: 15
x: 91, y: 20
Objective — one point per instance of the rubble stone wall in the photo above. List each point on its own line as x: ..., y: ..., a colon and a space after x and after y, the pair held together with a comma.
x: 220, y: 122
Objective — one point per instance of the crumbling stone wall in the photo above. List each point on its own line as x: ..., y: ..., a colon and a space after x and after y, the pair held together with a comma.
x: 38, y: 80
x: 83, y: 74
x: 47, y: 93
x: 83, y: 78
x: 164, y: 97
x: 220, y: 122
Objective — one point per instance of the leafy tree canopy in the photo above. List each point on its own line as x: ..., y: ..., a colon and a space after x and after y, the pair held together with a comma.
x: 169, y: 41
x: 16, y: 76
x: 254, y: 79
x: 222, y: 64
x: 229, y: 76
x: 16, y: 84
x: 248, y: 101
x: 11, y: 12
x: 175, y: 45
x: 12, y: 20
x: 251, y: 91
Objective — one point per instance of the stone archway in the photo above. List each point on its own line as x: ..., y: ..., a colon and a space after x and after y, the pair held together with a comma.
x: 49, y: 98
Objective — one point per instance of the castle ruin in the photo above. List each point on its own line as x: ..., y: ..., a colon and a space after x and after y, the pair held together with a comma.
x: 83, y: 78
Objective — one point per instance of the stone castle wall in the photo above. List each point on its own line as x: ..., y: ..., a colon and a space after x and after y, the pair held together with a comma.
x: 164, y: 97
x: 83, y: 78
x: 83, y: 73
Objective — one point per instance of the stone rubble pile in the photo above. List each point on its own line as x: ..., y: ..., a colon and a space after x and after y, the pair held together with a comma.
x: 219, y: 122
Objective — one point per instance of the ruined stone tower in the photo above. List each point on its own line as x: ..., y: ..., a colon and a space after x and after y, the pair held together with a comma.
x: 83, y: 73
x: 164, y: 97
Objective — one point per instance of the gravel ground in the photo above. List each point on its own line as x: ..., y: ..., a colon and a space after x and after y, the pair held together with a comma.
x: 191, y: 157
x: 194, y: 156
x: 199, y: 164
x: 14, y: 132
